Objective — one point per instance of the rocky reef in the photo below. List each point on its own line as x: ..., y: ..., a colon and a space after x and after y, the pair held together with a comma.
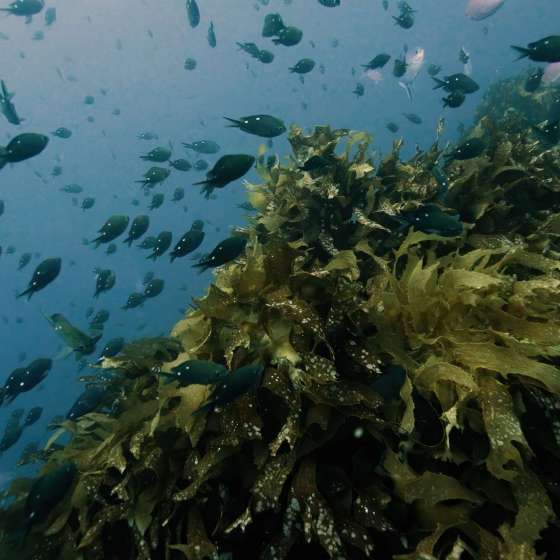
x: 407, y: 318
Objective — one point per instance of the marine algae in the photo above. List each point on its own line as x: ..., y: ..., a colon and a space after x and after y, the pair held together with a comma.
x: 337, y: 454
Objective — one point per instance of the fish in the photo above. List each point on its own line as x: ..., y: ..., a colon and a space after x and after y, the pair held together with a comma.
x: 45, y: 273
x: 87, y: 402
x: 62, y: 132
x: 114, y: 227
x: 211, y: 36
x: 24, y: 260
x: 399, y: 67
x: 549, y: 134
x: 112, y: 348
x: 25, y: 8
x: 392, y: 127
x: 33, y: 415
x: 413, y: 118
x: 203, y: 146
x: 160, y: 154
x: 148, y: 243
x: 73, y: 188
x: 430, y: 218
x: 236, y: 384
x: 24, y: 379
x: 264, y: 56
x: 378, y: 61
x: 272, y: 25
x: 7, y: 108
x: 135, y: 299
x: 157, y: 201
x: 434, y: 70
x: 88, y: 202
x: 197, y: 372
x: 359, y: 90
x: 457, y: 82
x: 478, y: 10
x: 77, y: 341
x: 50, y: 16
x: 105, y: 281
x: 138, y: 228
x: 154, y: 288
x: 469, y: 149
x: 414, y: 62
x: 148, y: 136
x: 2, y: 207
x: 303, y: 66
x: 288, y: 36
x: 265, y: 126
x: 226, y: 251
x: 163, y: 243
x: 227, y: 169
x: 11, y: 435
x: 406, y: 17
x: 154, y: 176
x: 178, y: 194
x: 329, y: 3
x: 22, y: 147
x: 454, y: 99
x: 543, y: 50
x: 551, y: 74
x: 190, y: 64
x: 193, y: 13
x: 181, y: 165
x: 533, y: 81
x: 188, y: 243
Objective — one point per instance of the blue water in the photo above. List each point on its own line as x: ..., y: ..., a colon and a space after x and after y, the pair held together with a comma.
x: 146, y: 80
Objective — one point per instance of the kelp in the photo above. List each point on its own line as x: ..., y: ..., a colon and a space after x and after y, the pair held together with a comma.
x: 409, y: 405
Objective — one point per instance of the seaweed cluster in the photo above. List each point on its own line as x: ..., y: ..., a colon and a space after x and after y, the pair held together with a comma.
x: 410, y: 401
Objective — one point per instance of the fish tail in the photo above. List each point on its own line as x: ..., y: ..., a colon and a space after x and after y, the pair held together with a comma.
x: 152, y: 257
x: 187, y: 146
x: 28, y: 293
x: 439, y: 83
x: 522, y: 51
x: 408, y: 90
x: 3, y: 157
x: 236, y: 123
x: 129, y: 241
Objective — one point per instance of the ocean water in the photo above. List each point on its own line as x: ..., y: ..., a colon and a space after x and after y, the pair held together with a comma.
x: 130, y: 55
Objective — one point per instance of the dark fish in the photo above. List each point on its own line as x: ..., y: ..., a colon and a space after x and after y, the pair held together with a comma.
x: 148, y: 243
x: 22, y: 147
x: 457, y: 82
x: 113, y: 228
x: 77, y: 341
x: 211, y: 35
x: 157, y: 155
x: 549, y: 134
x: 25, y: 8
x: 148, y: 277
x: 432, y: 219
x: 385, y: 4
x: 44, y: 274
x: 469, y: 149
x: 105, y: 281
x: 250, y: 48
x: 399, y: 67
x: 24, y: 260
x: 72, y: 189
x: 24, y: 379
x: 148, y: 136
x: 163, y: 243
x: 534, y: 81
x: 47, y: 492
x: 135, y: 299
x: 273, y: 24
x: 7, y: 108
x: 50, y: 16
x: 181, y: 165
x: 11, y: 435
x: 33, y: 415
x: 62, y: 133
x: 265, y: 126
x: 390, y: 383
x: 87, y: 402
x: 88, y: 203
x: 264, y: 56
x: 89, y: 100
x: 203, y: 146
x: 190, y: 64
x: 154, y: 176
x: 404, y: 20
x: 359, y: 90
x: 464, y: 56
x: 226, y: 251
x: 197, y: 225
x: 227, y: 169
x: 442, y: 180
x: 193, y: 13
x: 434, y: 70
x: 198, y: 372
x: 154, y: 288
x: 303, y: 66
x: 544, y: 50
x: 378, y: 62
x: 413, y: 118
x: 178, y: 194
x: 236, y: 384
x: 392, y: 127
x: 2, y: 207
x: 288, y: 36
x: 329, y: 3
x: 157, y: 201
x: 112, y: 348
x: 187, y: 244
x: 139, y: 227
x: 315, y: 163
x: 454, y: 99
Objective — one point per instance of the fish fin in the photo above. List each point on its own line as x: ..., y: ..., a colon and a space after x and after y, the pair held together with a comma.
x: 152, y: 256
x: 439, y: 83
x: 522, y: 51
x: 28, y: 293
x: 408, y: 90
x: 187, y: 146
x: 236, y: 123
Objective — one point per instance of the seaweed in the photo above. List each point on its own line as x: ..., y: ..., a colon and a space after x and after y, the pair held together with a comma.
x: 409, y: 402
